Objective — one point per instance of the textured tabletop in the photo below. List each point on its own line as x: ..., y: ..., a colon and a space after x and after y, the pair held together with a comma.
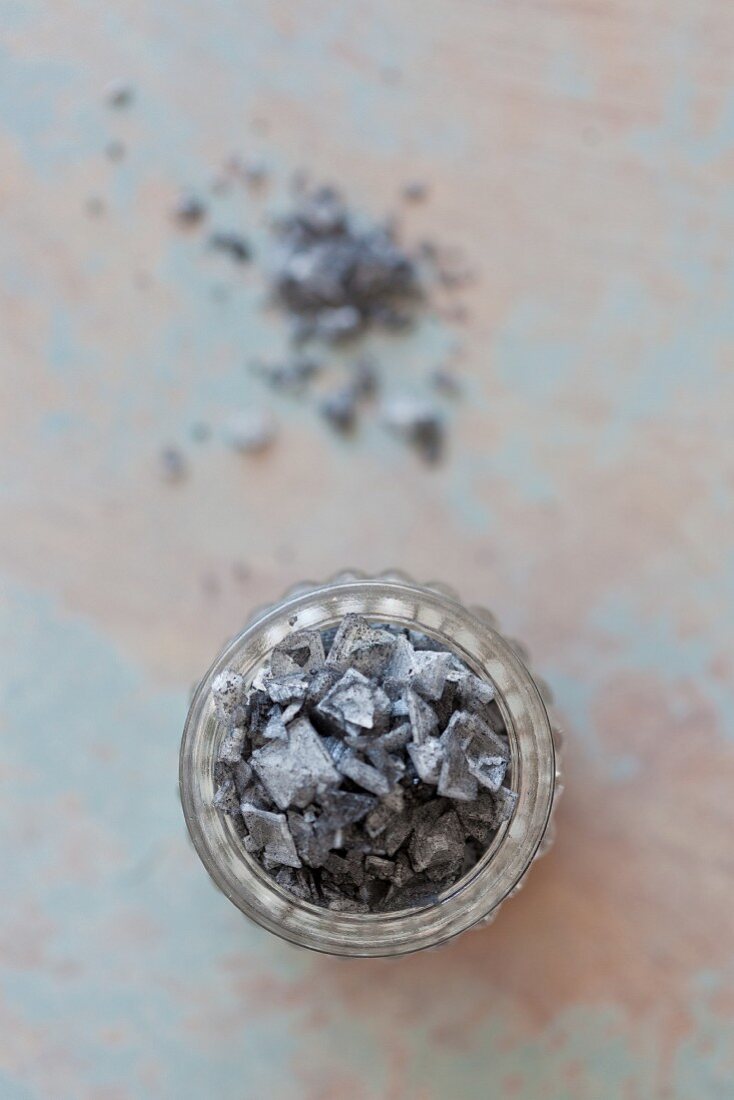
x: 579, y: 161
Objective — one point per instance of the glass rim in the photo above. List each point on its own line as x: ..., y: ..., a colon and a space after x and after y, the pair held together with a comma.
x: 475, y: 897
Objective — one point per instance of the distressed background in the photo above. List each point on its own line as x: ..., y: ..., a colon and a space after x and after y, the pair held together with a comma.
x: 580, y: 156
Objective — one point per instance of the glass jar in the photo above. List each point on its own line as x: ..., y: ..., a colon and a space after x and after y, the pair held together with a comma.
x: 471, y: 633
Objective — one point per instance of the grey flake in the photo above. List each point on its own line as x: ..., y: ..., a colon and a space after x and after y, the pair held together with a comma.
x: 364, y: 775
x: 232, y: 746
x: 294, y: 770
x: 228, y: 691
x: 225, y: 798
x: 350, y: 701
x: 427, y: 759
x: 287, y: 690
x: 423, y: 721
x: 269, y: 832
x: 251, y: 432
x: 302, y: 650
x: 439, y: 844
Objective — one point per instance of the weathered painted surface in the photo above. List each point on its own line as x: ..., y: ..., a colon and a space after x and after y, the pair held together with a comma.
x: 580, y: 156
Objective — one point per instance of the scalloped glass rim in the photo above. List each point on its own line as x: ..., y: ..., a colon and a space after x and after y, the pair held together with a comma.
x: 475, y: 898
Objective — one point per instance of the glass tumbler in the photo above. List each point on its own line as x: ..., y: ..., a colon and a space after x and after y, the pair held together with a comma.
x: 472, y: 634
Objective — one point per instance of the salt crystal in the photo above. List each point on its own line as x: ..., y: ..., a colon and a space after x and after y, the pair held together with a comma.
x: 293, y: 771
x: 270, y: 833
